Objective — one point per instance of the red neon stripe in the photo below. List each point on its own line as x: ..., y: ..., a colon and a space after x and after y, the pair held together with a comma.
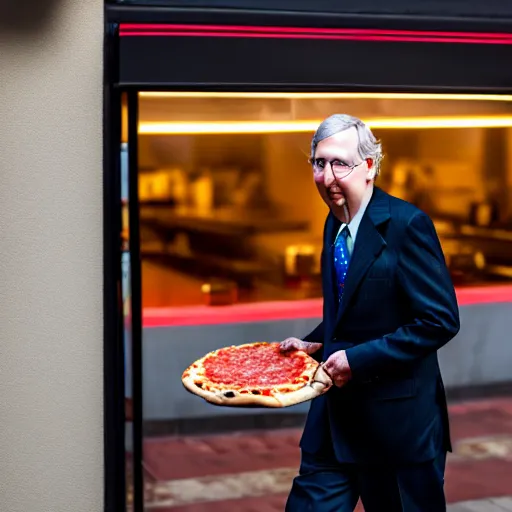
x: 306, y: 30
x: 238, y: 313
x: 288, y: 310
x: 321, y: 37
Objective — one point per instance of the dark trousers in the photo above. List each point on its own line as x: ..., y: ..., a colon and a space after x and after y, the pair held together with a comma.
x: 325, y: 485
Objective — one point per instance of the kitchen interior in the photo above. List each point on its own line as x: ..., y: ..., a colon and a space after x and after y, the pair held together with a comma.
x: 229, y: 212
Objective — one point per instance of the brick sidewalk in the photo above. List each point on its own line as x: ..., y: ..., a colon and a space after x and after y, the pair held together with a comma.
x: 252, y: 471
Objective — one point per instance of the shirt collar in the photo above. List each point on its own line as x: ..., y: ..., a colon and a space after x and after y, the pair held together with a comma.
x: 353, y: 225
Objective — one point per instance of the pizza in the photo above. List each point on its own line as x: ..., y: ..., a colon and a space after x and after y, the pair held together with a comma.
x: 256, y: 374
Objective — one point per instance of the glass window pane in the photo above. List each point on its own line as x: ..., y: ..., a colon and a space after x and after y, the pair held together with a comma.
x: 229, y: 212
x: 231, y: 236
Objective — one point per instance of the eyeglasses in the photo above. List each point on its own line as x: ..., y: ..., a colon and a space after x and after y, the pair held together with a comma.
x: 339, y: 169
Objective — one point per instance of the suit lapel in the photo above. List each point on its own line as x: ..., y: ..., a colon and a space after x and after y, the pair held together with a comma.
x: 368, y: 245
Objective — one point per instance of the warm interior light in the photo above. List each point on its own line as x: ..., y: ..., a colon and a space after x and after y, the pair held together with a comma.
x: 328, y: 95
x: 190, y: 128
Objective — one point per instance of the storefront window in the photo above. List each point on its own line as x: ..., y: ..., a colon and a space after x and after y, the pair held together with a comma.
x: 230, y: 214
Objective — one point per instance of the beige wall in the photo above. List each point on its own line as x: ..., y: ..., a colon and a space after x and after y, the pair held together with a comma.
x: 51, y: 264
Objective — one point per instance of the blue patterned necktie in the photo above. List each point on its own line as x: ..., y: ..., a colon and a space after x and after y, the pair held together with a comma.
x: 341, y: 259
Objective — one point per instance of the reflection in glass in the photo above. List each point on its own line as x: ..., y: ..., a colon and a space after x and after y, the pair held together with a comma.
x: 228, y: 206
x: 231, y: 238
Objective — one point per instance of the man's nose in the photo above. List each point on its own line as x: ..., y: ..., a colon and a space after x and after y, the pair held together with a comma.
x: 328, y: 176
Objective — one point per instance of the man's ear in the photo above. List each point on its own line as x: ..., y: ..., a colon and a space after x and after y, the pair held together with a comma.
x: 371, y: 168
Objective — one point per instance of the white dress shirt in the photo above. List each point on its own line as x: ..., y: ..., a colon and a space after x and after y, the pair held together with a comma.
x: 354, y: 223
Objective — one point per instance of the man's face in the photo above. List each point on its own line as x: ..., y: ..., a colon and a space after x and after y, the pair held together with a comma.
x: 336, y: 191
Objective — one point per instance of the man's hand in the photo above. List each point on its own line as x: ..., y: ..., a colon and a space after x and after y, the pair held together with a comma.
x: 290, y: 344
x: 337, y: 368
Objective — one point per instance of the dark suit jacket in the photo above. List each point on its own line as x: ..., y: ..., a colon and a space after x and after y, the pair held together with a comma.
x: 398, y: 308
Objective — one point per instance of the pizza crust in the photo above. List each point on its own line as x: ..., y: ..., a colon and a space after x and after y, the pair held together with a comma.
x: 319, y: 383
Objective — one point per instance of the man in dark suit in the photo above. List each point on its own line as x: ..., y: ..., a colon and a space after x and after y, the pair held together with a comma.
x: 381, y: 432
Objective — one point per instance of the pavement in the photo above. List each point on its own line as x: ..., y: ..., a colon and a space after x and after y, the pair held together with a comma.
x: 252, y: 471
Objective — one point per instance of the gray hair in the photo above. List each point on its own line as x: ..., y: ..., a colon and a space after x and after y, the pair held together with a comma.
x: 368, y: 147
